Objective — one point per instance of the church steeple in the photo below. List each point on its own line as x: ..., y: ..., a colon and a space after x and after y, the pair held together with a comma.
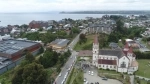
x: 95, y: 39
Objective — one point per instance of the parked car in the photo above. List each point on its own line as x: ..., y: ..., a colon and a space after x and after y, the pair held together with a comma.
x: 86, y: 82
x: 84, y: 79
x: 104, y: 78
x: 59, y: 74
x: 89, y: 72
x: 92, y: 73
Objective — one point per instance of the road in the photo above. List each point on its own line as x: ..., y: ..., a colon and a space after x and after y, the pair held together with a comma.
x: 70, y: 61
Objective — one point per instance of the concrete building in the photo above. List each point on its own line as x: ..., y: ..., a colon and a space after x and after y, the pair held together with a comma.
x: 118, y: 60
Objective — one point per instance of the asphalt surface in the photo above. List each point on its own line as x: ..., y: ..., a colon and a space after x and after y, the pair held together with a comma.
x: 70, y: 61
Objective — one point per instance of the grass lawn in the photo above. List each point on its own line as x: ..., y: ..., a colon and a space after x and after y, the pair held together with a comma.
x: 87, y: 45
x: 107, y: 71
x: 144, y: 68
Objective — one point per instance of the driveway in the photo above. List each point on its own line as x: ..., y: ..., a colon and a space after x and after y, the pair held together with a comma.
x: 96, y: 78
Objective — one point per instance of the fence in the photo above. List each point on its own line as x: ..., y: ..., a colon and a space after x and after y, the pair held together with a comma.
x: 15, y: 63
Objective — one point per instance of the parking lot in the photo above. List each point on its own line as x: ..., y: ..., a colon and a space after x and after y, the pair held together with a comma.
x: 92, y: 77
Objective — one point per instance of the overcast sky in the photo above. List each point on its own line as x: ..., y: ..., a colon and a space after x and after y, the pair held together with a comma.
x: 71, y: 5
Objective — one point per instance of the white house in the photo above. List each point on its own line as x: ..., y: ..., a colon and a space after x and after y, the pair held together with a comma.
x: 119, y: 60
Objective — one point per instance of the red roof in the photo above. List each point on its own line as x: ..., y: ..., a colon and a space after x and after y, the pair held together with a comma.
x: 95, y: 39
x: 126, y: 46
x: 105, y: 61
x: 130, y: 50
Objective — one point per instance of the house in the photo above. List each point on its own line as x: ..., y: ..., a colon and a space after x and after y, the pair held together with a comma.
x: 59, y: 44
x: 85, y: 54
x: 118, y: 60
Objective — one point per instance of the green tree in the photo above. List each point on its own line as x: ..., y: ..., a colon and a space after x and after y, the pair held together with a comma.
x: 30, y: 74
x: 148, y: 82
x: 34, y: 74
x: 17, y: 76
x: 29, y: 57
x: 75, y: 30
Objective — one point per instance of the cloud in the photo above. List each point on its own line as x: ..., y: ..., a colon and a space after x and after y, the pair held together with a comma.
x: 71, y: 5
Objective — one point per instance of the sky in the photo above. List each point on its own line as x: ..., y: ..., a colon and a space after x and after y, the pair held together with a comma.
x: 71, y: 5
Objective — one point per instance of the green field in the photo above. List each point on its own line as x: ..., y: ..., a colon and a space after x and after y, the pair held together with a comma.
x: 144, y: 68
x: 87, y: 45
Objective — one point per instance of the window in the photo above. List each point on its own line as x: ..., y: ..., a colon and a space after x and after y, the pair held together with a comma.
x: 103, y: 65
x: 110, y: 66
x: 99, y: 65
x: 114, y: 66
x: 123, y: 65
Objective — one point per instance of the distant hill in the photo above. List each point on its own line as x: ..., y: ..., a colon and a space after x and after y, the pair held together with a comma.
x: 106, y: 12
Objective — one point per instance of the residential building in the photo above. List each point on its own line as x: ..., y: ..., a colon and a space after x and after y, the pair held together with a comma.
x: 59, y: 44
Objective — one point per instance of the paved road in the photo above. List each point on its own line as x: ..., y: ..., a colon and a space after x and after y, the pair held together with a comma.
x: 95, y: 78
x: 70, y: 61
x: 132, y: 79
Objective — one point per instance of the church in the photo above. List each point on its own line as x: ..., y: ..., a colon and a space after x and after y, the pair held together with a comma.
x: 120, y: 60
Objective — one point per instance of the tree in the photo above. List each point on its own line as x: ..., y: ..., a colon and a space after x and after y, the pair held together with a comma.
x: 17, y: 77
x: 30, y: 74
x: 148, y: 82
x: 41, y: 50
x: 75, y: 30
x: 29, y: 57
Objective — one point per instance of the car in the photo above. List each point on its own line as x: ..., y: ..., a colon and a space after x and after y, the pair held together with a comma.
x: 89, y: 72
x: 92, y: 83
x: 68, y: 69
x: 92, y: 73
x: 62, y: 82
x: 59, y: 74
x: 96, y: 82
x: 84, y: 79
x: 65, y: 76
x: 86, y: 82
x: 104, y: 78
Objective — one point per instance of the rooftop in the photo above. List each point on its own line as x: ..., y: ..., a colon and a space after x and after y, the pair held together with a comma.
x: 60, y: 42
x: 85, y: 53
x: 109, y: 52
x: 13, y: 46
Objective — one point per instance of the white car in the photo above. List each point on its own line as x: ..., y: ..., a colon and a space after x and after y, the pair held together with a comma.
x: 86, y: 82
x: 62, y: 82
x: 92, y: 73
x: 89, y: 72
x: 59, y: 74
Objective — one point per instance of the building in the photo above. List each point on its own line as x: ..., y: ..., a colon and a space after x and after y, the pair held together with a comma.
x: 59, y: 44
x: 38, y: 24
x: 118, y: 60
x: 15, y: 49
x: 85, y: 54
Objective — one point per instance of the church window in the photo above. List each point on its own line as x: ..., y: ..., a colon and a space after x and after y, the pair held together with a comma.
x: 123, y: 65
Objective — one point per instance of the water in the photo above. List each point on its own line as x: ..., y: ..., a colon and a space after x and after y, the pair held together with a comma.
x: 16, y: 18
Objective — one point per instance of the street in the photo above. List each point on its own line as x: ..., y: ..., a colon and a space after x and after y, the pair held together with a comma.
x: 70, y: 61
